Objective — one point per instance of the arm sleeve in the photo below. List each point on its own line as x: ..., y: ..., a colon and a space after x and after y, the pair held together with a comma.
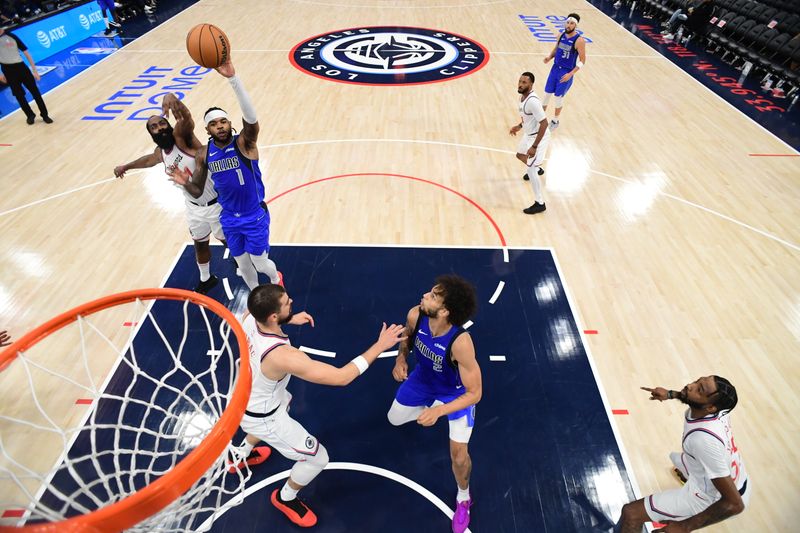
x: 20, y: 44
x: 248, y: 111
x: 709, y: 452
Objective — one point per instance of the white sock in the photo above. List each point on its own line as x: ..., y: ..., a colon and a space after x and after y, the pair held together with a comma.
x: 288, y: 493
x: 247, y: 270
x: 463, y: 494
x: 246, y: 448
x: 105, y: 19
x: 537, y: 187
x: 205, y: 271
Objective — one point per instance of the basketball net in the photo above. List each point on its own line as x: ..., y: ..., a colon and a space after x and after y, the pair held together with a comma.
x: 146, y: 450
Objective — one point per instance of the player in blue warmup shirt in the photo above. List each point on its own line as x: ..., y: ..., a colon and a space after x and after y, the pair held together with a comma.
x: 569, y: 55
x: 232, y: 163
x: 446, y: 380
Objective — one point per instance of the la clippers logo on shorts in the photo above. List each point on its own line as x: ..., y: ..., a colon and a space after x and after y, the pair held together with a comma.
x: 389, y: 55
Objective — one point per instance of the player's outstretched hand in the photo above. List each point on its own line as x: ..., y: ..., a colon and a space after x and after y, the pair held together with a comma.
x: 400, y: 370
x: 390, y: 336
x: 178, y: 175
x: 226, y: 69
x: 120, y: 171
x: 168, y: 104
x: 5, y: 339
x: 658, y: 393
x: 514, y: 129
x: 301, y: 318
x: 547, y: 59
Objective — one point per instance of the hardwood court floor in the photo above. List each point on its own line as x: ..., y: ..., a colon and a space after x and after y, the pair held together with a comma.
x: 679, y: 248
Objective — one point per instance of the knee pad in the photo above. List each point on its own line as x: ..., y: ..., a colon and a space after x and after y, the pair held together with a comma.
x: 304, y: 472
x: 400, y: 414
x: 546, y: 98
x: 559, y: 101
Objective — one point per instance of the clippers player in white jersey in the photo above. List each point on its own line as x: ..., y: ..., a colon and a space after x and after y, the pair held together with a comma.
x: 716, y: 482
x: 535, y: 138
x: 176, y: 148
x: 273, y: 362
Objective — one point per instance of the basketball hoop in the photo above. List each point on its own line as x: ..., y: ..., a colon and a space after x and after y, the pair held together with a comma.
x: 175, y: 471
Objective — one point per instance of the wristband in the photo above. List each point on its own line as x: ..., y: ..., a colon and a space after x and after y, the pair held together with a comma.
x: 361, y: 364
x: 669, y: 394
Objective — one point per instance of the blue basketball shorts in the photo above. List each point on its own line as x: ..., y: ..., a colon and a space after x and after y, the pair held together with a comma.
x: 248, y: 233
x: 414, y: 393
x: 554, y: 86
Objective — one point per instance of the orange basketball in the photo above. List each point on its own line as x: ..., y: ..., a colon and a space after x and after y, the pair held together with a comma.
x: 208, y: 45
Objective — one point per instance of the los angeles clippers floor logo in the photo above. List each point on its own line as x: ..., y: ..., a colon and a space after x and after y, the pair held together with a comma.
x: 389, y: 55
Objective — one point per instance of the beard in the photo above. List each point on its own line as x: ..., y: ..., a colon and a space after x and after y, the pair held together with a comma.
x: 223, y: 138
x: 164, y: 139
x: 429, y: 314
x: 286, y: 319
x: 520, y: 90
x: 683, y: 397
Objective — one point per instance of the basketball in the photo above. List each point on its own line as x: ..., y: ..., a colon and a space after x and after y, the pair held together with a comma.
x: 208, y: 45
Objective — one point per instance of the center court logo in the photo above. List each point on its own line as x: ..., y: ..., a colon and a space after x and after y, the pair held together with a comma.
x: 389, y: 55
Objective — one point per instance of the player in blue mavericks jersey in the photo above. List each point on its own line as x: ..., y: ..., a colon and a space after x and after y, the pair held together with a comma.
x: 446, y: 380
x: 569, y: 55
x: 231, y: 160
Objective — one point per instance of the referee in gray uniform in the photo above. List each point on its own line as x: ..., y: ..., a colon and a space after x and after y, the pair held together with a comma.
x: 17, y: 74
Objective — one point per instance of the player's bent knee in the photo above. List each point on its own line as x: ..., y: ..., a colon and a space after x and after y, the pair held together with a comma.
x: 559, y: 101
x: 634, y: 513
x: 321, y: 459
x: 395, y: 417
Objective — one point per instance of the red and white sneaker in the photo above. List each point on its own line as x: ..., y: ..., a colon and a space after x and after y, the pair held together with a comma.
x: 280, y: 279
x: 295, y: 510
x: 256, y: 457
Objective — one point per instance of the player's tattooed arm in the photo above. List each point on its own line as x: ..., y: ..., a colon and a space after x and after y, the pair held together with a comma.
x: 184, y: 123
x: 400, y: 370
x: 661, y: 394
x: 146, y: 161
x: 193, y: 183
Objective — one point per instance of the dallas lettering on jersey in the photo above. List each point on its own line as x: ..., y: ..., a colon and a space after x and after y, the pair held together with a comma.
x: 547, y: 29
x: 151, y: 85
x: 228, y: 163
x: 428, y: 354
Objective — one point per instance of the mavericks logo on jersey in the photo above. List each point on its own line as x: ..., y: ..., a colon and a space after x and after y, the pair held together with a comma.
x: 389, y: 55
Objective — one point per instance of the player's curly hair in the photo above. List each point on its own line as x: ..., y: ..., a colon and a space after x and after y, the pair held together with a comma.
x: 265, y: 300
x: 459, y: 298
x: 725, y: 399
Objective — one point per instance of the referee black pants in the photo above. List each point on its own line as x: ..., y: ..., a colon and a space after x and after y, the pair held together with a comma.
x: 18, y: 75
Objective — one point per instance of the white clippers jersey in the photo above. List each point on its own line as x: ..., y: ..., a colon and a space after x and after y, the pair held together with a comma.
x: 266, y: 394
x: 176, y: 158
x: 709, y: 453
x: 532, y: 112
